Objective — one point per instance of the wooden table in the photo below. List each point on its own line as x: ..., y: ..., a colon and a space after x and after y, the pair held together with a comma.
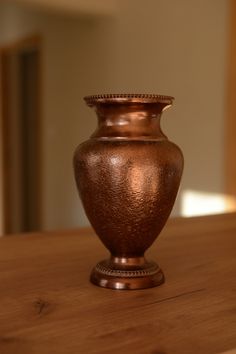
x: 47, y: 304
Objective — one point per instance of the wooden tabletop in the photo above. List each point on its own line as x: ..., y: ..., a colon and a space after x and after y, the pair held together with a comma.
x: 47, y: 304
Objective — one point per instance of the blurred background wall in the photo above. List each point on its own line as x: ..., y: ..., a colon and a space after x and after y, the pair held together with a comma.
x: 134, y: 46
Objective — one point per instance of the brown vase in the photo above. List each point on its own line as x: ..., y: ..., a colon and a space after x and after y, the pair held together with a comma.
x: 128, y: 175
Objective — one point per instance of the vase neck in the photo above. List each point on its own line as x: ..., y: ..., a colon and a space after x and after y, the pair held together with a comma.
x: 129, y: 120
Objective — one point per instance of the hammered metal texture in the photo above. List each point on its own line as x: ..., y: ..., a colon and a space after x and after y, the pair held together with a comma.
x: 128, y: 174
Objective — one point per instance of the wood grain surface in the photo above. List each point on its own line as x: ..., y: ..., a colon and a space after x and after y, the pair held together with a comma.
x: 47, y: 304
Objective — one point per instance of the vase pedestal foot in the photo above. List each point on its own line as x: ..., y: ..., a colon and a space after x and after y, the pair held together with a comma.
x: 127, y: 273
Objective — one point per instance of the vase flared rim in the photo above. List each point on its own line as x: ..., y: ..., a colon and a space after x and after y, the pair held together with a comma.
x: 128, y: 98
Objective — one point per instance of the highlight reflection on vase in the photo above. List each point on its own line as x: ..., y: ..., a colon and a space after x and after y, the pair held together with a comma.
x: 128, y: 175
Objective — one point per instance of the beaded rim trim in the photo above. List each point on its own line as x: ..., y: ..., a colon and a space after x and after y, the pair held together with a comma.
x: 127, y: 273
x: 139, y: 98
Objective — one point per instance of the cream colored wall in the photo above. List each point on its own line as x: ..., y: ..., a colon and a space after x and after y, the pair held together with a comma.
x: 169, y: 47
x: 180, y: 48
x: 73, y: 50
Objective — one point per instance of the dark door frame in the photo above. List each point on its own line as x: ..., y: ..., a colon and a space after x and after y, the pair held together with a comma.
x: 18, y: 46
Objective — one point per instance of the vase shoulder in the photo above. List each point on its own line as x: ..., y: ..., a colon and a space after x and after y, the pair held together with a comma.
x: 133, y: 147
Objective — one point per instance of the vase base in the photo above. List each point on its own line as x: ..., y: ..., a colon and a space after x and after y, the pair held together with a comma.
x: 127, y: 274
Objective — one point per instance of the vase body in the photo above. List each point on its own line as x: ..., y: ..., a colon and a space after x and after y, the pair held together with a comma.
x: 128, y: 174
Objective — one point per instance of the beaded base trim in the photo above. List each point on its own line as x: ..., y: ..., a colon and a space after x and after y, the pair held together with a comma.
x: 153, y: 269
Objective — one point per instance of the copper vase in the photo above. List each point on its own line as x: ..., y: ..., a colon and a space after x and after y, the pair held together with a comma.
x: 128, y: 174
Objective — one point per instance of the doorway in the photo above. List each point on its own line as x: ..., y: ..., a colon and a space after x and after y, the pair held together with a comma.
x: 21, y: 140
